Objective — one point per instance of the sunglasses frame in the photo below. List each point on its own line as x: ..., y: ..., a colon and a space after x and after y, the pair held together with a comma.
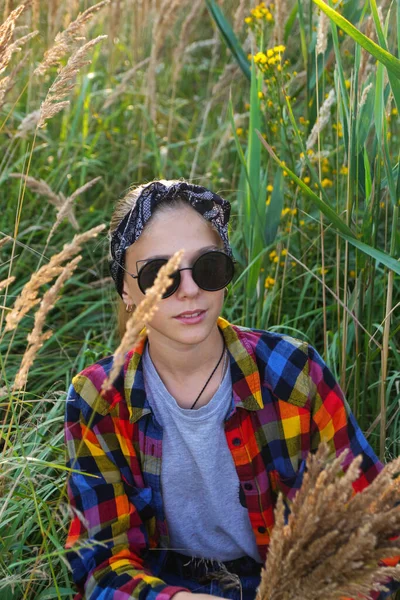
x: 234, y: 262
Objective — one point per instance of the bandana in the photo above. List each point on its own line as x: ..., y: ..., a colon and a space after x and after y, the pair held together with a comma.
x: 211, y: 206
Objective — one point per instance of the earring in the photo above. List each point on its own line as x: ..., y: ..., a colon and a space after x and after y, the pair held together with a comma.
x: 129, y: 307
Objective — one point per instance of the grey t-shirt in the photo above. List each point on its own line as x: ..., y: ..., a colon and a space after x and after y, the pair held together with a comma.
x: 199, y: 483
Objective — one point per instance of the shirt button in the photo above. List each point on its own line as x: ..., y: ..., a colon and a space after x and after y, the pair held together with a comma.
x: 248, y: 486
x: 262, y: 529
x: 236, y: 441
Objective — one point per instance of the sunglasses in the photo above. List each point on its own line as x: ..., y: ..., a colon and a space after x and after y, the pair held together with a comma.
x: 211, y: 271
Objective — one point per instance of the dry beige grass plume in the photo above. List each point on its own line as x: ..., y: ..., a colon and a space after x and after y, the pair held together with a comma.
x: 8, y: 82
x: 6, y: 34
x: 37, y: 338
x: 6, y: 282
x: 39, y: 186
x: 5, y: 240
x: 142, y: 315
x: 28, y: 296
x: 65, y: 82
x: 334, y: 539
x: 66, y: 40
x: 67, y: 205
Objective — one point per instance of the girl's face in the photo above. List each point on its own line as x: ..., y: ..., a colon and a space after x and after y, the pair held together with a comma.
x: 167, y: 233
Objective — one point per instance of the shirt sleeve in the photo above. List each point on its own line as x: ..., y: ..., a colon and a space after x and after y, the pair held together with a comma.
x: 107, y: 537
x: 332, y: 421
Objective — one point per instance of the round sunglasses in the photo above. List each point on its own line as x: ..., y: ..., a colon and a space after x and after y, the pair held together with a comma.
x: 211, y: 271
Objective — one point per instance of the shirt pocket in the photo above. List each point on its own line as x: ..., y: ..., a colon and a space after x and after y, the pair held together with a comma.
x: 142, y: 499
x: 287, y: 483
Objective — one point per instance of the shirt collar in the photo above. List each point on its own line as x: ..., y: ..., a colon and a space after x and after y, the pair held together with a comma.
x: 241, y: 346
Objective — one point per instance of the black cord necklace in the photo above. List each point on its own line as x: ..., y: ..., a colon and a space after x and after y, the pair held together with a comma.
x: 223, y: 339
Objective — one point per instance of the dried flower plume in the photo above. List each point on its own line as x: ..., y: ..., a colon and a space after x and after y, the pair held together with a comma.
x: 37, y: 338
x: 66, y: 40
x: 142, y: 315
x: 28, y: 296
x: 334, y: 538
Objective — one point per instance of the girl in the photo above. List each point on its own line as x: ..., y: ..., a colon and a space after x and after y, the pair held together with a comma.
x: 177, y: 468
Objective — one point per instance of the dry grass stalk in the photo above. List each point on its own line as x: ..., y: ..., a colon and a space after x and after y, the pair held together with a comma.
x: 126, y: 79
x: 28, y: 124
x: 322, y: 33
x: 184, y: 36
x: 6, y: 282
x: 5, y: 240
x: 239, y: 16
x: 65, y: 82
x: 39, y: 186
x: 364, y: 95
x: 167, y: 14
x: 37, y: 338
x: 28, y: 296
x: 334, y: 539
x: 280, y: 15
x: 7, y: 83
x: 7, y: 46
x: 66, y: 40
x: 322, y: 120
x: 67, y: 205
x: 142, y: 315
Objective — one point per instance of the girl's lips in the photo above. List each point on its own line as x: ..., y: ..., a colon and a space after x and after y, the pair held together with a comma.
x: 192, y: 320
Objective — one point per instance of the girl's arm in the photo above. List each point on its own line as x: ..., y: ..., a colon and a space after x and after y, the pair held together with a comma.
x: 107, y: 536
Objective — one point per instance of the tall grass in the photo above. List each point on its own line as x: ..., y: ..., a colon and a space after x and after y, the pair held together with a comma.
x: 314, y: 206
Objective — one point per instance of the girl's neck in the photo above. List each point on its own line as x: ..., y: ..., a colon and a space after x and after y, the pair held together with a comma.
x: 191, y: 362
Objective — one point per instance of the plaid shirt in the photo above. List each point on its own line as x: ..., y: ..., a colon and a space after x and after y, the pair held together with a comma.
x: 285, y: 401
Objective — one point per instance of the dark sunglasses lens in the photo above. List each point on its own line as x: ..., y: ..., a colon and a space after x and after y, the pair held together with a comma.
x: 213, y: 271
x: 148, y: 274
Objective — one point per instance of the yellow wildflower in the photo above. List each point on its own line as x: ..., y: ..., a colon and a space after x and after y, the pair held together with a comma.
x: 352, y: 274
x: 247, y: 106
x: 347, y: 84
x: 269, y: 282
x: 270, y: 52
x: 285, y: 211
x: 306, y: 179
x: 248, y: 20
x: 239, y: 131
x: 326, y: 182
x: 270, y: 188
x: 279, y: 67
x: 395, y: 111
x: 270, y: 103
x: 268, y: 201
x: 323, y: 271
x: 276, y: 259
x: 272, y: 254
x: 344, y: 170
x: 284, y: 252
x: 260, y: 95
x: 302, y: 222
x: 269, y: 17
x: 294, y: 211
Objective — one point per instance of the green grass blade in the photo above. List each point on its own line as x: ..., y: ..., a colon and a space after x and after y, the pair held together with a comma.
x: 229, y: 36
x: 342, y: 229
x: 391, y: 62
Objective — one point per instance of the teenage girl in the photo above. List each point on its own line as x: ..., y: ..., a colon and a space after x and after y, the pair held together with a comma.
x: 177, y: 468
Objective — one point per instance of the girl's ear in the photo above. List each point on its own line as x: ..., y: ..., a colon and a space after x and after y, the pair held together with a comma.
x: 126, y: 296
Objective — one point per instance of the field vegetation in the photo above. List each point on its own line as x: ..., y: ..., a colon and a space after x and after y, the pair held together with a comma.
x: 288, y: 109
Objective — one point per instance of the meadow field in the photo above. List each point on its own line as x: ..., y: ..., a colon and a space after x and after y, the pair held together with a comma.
x: 288, y: 109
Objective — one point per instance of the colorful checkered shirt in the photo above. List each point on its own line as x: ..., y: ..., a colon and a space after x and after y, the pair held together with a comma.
x: 285, y: 401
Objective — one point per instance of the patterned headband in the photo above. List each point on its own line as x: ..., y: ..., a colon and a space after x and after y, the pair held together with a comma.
x: 211, y: 206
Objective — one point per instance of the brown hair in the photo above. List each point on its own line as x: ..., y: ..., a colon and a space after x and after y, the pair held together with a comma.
x: 122, y: 207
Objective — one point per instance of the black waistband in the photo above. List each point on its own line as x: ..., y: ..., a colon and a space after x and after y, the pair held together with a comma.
x: 190, y: 567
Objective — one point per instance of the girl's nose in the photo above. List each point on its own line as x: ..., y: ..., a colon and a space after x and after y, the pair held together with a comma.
x: 187, y: 284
